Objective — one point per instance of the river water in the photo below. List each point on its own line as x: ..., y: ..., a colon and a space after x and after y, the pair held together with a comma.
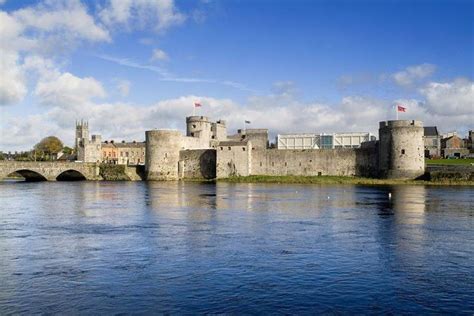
x: 188, y: 248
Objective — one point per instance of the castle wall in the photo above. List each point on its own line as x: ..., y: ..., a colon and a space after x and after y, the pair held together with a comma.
x: 333, y: 162
x: 233, y: 159
x: 200, y: 127
x: 189, y: 142
x: 258, y: 137
x: 162, y: 154
x: 197, y: 164
x: 219, y: 130
x: 401, y: 149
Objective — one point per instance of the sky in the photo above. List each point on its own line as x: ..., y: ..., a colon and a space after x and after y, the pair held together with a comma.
x: 289, y: 66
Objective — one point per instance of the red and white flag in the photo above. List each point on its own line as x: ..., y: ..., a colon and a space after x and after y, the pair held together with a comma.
x: 197, y: 105
x: 401, y: 108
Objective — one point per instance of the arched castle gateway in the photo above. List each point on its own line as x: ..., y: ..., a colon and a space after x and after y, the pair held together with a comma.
x: 206, y: 151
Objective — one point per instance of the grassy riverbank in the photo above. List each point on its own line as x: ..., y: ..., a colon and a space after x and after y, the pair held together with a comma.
x: 450, y: 162
x: 338, y: 180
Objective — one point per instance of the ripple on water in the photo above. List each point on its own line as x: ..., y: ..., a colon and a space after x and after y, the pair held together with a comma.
x: 111, y: 248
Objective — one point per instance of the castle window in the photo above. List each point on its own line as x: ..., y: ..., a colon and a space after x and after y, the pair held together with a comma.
x: 222, y: 148
x: 260, y: 163
x: 273, y: 164
x: 166, y: 155
x: 310, y: 160
x: 320, y: 173
x: 229, y: 148
x: 194, y: 125
x: 192, y: 134
x: 286, y: 164
x: 403, y: 151
x: 300, y: 164
x: 243, y: 148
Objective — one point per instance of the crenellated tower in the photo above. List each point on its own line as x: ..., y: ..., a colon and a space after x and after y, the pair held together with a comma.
x: 401, y: 150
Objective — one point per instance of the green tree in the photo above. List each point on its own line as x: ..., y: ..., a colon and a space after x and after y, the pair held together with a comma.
x: 48, y: 147
x: 67, y: 150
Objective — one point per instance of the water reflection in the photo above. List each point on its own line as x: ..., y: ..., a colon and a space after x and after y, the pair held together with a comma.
x: 179, y: 247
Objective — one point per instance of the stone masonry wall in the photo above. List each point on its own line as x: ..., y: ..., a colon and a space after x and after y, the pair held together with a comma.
x: 333, y: 162
x: 197, y: 164
x: 233, y: 160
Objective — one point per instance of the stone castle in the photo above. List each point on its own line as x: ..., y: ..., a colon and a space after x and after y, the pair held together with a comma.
x: 206, y: 151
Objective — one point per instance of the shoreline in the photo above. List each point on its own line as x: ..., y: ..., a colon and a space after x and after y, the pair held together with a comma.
x: 341, y: 180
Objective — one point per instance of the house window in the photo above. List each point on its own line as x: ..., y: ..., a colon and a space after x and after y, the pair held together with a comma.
x: 126, y: 154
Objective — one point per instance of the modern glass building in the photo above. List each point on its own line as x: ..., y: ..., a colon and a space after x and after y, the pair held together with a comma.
x: 322, y: 141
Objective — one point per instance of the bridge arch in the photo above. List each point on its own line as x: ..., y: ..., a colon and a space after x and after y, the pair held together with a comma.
x: 30, y: 175
x: 71, y: 175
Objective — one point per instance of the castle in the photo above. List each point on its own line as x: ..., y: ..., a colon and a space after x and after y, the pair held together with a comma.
x: 95, y: 150
x: 207, y: 152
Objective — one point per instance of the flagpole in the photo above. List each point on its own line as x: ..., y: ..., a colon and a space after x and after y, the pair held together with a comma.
x: 194, y: 109
x: 245, y: 127
x: 396, y: 111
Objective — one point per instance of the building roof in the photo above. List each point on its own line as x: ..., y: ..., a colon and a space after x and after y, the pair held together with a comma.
x: 128, y: 145
x: 430, y: 131
x: 110, y: 144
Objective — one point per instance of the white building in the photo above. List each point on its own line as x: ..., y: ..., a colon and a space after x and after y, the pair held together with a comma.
x: 322, y: 141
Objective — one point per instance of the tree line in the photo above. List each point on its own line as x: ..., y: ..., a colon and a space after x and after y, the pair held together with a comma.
x: 48, y: 149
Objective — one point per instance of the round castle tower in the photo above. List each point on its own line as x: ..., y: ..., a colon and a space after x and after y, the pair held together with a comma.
x: 198, y: 126
x: 401, y: 150
x: 162, y: 154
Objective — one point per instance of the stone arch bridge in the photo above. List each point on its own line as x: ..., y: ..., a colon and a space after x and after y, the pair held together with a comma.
x: 50, y: 171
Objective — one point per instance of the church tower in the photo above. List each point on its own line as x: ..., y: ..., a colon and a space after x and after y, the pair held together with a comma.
x: 82, y: 133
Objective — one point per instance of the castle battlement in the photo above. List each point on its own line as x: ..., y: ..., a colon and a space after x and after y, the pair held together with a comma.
x: 207, y: 151
x: 401, y: 123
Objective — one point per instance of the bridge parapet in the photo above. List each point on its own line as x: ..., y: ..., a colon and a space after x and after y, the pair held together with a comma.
x: 46, y: 170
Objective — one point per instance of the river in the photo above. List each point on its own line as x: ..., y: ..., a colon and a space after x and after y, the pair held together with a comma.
x: 191, y: 248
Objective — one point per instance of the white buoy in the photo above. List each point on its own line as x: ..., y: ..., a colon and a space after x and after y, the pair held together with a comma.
x: 389, y: 195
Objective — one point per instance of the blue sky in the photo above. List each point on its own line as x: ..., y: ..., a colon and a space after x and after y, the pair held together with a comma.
x: 303, y: 66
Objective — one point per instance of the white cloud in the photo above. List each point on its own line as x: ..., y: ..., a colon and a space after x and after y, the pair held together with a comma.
x: 12, y: 80
x: 46, y: 28
x: 158, y: 54
x: 450, y: 98
x: 413, y: 74
x: 68, y: 90
x: 280, y: 113
x: 123, y: 87
x: 140, y: 14
x: 146, y: 41
x: 68, y: 19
